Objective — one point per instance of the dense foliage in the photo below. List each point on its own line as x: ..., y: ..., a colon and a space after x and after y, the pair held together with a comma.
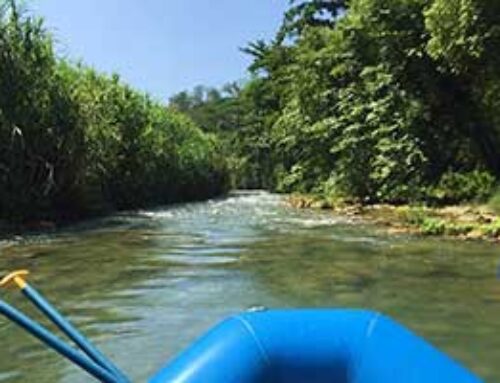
x: 75, y: 142
x: 365, y: 100
x: 231, y: 114
x: 374, y: 101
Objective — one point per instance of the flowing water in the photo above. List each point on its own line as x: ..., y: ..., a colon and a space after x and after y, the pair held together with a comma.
x: 143, y: 285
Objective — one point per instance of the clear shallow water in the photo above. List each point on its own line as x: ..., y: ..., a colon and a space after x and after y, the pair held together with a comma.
x: 143, y: 285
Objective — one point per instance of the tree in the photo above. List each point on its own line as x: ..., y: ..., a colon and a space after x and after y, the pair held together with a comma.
x: 379, y: 99
x: 310, y: 13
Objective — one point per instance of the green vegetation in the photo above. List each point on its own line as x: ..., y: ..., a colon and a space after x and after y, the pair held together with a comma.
x: 74, y: 142
x: 238, y: 115
x: 361, y: 101
x: 465, y: 221
x: 494, y: 202
x: 369, y: 101
x: 474, y: 230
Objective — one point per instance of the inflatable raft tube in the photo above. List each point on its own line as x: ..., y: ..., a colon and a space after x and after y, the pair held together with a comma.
x: 313, y: 346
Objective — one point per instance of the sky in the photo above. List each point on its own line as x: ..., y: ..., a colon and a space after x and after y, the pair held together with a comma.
x: 161, y: 46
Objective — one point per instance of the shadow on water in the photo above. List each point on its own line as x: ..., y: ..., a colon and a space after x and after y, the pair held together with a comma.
x: 154, y: 280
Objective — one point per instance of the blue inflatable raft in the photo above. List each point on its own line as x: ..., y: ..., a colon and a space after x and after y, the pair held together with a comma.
x: 313, y: 346
x: 292, y: 346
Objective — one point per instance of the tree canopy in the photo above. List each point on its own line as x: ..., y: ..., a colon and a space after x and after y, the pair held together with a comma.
x: 376, y: 100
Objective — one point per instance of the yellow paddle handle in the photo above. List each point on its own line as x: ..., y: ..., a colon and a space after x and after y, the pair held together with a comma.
x: 16, y: 278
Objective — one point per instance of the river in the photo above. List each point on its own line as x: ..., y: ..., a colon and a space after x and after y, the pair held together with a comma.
x: 142, y: 285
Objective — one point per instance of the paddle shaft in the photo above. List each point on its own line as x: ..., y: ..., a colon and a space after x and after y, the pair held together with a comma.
x: 57, y: 344
x: 71, y: 332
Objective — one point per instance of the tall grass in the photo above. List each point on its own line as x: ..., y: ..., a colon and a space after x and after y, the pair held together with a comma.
x: 75, y: 142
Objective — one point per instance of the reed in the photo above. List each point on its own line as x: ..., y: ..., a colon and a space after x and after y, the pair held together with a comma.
x: 75, y: 142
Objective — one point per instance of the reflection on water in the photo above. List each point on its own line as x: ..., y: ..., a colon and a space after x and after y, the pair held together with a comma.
x: 144, y: 284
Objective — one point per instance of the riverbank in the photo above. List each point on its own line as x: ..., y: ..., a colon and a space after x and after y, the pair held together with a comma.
x: 468, y: 222
x: 51, y: 224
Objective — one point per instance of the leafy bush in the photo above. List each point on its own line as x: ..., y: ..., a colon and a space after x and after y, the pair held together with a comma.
x: 378, y: 157
x: 458, y: 228
x: 492, y: 230
x: 456, y: 187
x: 433, y: 226
x: 494, y: 202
